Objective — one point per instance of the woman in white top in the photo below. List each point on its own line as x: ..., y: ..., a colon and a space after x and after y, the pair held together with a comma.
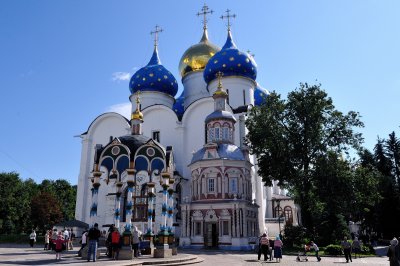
x: 32, y: 238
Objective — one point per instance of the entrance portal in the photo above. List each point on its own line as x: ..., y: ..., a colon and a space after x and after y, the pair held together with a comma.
x: 211, y: 235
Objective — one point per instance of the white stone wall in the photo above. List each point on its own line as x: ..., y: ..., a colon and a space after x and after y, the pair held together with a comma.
x: 99, y: 132
x: 195, y: 87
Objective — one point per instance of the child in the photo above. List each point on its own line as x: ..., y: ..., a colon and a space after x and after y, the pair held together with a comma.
x: 59, y: 246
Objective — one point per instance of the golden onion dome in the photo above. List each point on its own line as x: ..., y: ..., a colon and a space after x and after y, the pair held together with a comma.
x: 196, y: 57
x: 137, y: 116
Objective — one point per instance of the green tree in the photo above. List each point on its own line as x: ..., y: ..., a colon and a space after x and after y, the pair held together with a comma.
x: 386, y: 155
x: 45, y: 211
x: 392, y: 148
x: 64, y: 193
x: 288, y: 136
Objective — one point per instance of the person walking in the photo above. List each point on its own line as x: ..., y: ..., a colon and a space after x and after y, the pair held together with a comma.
x: 278, y: 248
x: 115, y: 242
x: 46, y: 240
x: 346, y: 249
x: 83, y: 242
x: 356, y: 247
x: 263, y: 247
x: 271, y: 249
x: 93, y: 236
x: 136, y: 235
x: 394, y: 252
x: 316, y: 249
x: 70, y: 245
x: 32, y: 238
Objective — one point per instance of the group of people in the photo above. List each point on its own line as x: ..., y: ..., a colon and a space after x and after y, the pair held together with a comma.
x: 266, y: 246
x: 113, y: 242
x: 51, y: 236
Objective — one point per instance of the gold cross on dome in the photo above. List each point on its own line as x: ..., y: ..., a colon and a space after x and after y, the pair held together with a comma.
x: 138, y: 97
x: 156, y: 32
x: 204, y: 11
x: 219, y: 75
x: 228, y: 17
x: 138, y: 101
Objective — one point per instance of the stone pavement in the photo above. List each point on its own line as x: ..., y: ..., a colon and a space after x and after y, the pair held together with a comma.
x: 24, y: 255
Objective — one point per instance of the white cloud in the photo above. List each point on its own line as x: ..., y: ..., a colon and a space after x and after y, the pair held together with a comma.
x: 121, y: 76
x: 121, y: 108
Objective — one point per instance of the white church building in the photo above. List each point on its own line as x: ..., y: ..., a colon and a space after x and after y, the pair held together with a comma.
x: 180, y: 164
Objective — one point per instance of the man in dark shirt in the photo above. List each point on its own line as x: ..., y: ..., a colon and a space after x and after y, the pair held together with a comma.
x: 93, y: 236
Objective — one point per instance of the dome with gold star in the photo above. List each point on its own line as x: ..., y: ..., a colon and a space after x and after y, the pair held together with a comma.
x: 260, y: 95
x: 196, y: 57
x: 231, y: 62
x: 154, y: 77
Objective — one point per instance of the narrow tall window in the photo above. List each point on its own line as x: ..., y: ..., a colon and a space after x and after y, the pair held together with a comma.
x: 198, y: 228
x: 217, y: 137
x: 233, y: 185
x: 227, y: 98
x: 211, y: 185
x: 225, y: 133
x: 156, y: 135
x: 225, y: 228
x: 244, y: 97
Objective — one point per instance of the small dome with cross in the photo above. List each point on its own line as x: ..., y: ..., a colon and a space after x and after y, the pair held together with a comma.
x: 154, y: 76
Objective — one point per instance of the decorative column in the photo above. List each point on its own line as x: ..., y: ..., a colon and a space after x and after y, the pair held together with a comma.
x: 117, y: 214
x: 170, y: 215
x: 129, y: 204
x: 151, y: 199
x: 163, y: 249
x: 165, y: 185
x: 95, y: 194
x: 126, y: 251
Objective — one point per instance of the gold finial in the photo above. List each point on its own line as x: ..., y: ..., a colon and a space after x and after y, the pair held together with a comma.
x: 137, y: 114
x: 220, y: 90
x: 228, y: 17
x: 219, y: 76
x: 156, y: 32
x: 204, y: 11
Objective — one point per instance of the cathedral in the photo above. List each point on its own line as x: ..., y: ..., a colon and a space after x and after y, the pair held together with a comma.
x: 180, y: 165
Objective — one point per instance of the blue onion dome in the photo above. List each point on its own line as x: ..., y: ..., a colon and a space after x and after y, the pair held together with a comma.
x: 231, y: 62
x: 260, y: 95
x: 178, y: 106
x: 154, y: 77
x: 196, y: 57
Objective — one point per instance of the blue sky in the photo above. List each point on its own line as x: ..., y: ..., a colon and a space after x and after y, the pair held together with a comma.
x: 63, y: 63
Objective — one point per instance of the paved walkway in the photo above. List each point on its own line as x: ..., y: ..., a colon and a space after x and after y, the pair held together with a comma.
x: 23, y: 255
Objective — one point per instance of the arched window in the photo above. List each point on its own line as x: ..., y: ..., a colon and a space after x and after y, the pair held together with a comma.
x: 140, y: 203
x: 210, y: 133
x: 288, y: 214
x: 217, y: 133
x: 278, y: 211
x: 225, y: 133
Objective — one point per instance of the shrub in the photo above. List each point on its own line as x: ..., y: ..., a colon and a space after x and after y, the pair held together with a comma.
x: 333, y: 250
x: 295, y: 236
x: 367, y: 249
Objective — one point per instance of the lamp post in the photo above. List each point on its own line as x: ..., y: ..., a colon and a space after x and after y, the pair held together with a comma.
x: 278, y: 202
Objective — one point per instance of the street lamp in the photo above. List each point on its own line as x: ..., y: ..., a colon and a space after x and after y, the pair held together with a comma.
x: 278, y: 201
